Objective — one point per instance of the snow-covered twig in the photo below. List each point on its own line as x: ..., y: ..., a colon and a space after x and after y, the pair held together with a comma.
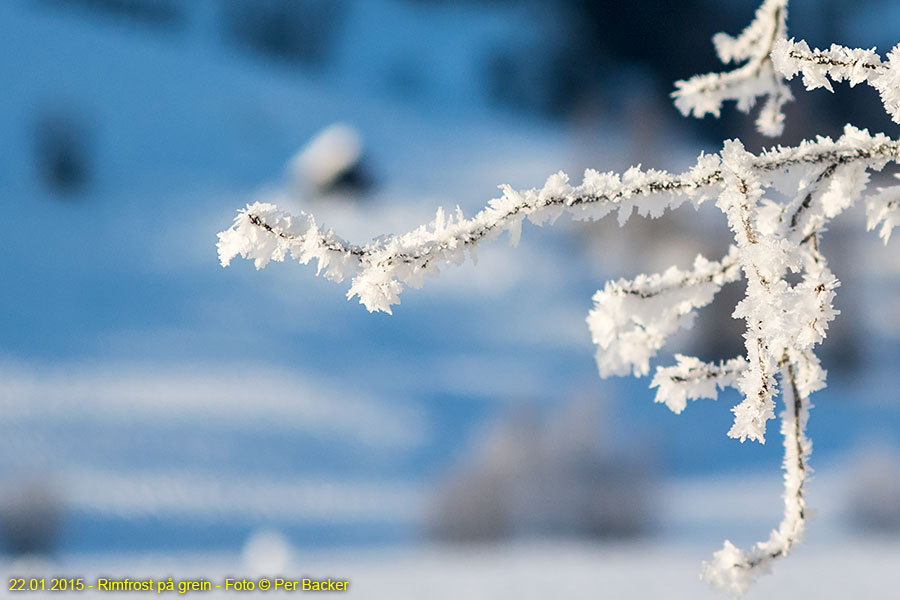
x: 856, y: 65
x: 631, y: 320
x: 379, y: 269
x: 733, y: 570
x: 692, y: 379
x: 702, y: 94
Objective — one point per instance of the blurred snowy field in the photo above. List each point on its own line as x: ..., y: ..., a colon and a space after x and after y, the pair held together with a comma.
x: 526, y: 571
x: 834, y: 563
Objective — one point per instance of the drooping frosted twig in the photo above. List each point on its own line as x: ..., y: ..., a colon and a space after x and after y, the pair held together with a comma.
x: 733, y: 570
x: 692, y: 379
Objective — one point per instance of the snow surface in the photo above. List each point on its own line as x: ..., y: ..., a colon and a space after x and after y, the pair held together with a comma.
x: 529, y: 571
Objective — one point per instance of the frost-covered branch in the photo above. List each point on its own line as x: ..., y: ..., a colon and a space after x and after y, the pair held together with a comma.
x: 380, y: 269
x: 733, y: 570
x: 706, y: 93
x: 631, y: 320
x: 790, y: 289
x: 764, y: 260
x: 692, y: 379
x: 840, y: 63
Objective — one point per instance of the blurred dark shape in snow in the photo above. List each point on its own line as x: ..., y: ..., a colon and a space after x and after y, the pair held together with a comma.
x: 296, y: 31
x: 63, y: 150
x: 31, y: 515
x: 547, y: 477
x: 332, y: 161
x: 874, y: 500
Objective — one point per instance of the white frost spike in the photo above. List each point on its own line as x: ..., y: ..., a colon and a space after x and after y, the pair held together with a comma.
x: 812, y: 307
x: 705, y: 94
x: 770, y: 121
x: 883, y: 208
x: 888, y: 85
x: 511, y: 199
x: 843, y: 189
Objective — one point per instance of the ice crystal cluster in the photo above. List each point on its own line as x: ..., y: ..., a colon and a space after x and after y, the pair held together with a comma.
x: 777, y: 204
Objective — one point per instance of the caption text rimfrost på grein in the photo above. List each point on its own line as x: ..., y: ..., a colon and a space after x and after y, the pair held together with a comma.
x: 229, y: 584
